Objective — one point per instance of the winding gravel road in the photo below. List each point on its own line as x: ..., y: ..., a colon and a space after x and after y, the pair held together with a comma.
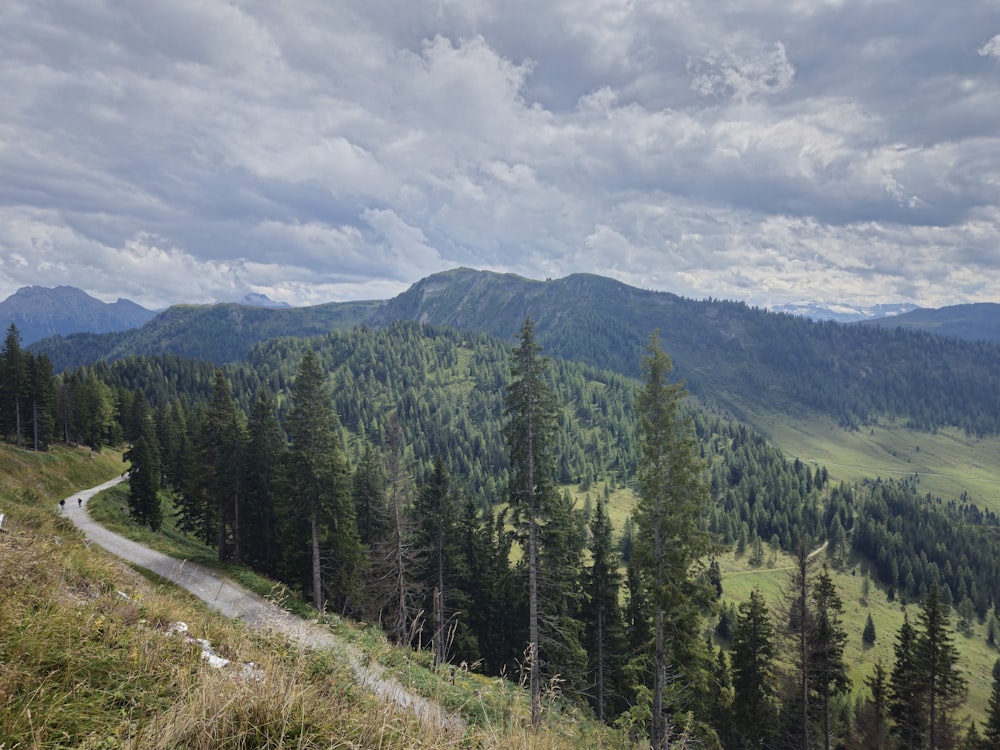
x: 234, y: 601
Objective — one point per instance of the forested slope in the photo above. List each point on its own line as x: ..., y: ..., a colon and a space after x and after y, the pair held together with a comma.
x: 742, y: 358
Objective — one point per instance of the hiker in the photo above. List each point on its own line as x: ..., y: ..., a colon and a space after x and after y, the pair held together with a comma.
x: 79, y: 502
x: 62, y: 504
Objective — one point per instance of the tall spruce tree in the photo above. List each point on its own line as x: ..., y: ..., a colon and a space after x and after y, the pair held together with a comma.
x: 144, y: 468
x: 671, y: 539
x: 872, y: 713
x: 827, y: 639
x: 992, y: 726
x: 436, y: 512
x: 797, y: 628
x: 368, y: 491
x: 13, y: 384
x: 605, y: 635
x: 403, y: 559
x: 213, y: 501
x: 530, y: 429
x: 560, y: 576
x: 937, y: 665
x: 318, y: 507
x: 265, y: 455
x: 752, y: 669
x: 41, y: 401
x: 144, y: 482
x: 906, y: 703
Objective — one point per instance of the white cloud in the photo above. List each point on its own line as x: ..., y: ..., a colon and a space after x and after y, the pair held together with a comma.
x: 991, y: 48
x: 742, y: 74
x: 186, y: 151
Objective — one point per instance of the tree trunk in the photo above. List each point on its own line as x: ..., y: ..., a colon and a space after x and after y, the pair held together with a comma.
x: 220, y: 533
x: 657, y: 731
x: 535, y: 668
x: 317, y: 575
x: 600, y: 663
x: 237, y: 547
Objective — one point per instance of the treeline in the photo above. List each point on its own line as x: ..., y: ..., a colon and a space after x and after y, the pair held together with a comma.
x: 38, y: 408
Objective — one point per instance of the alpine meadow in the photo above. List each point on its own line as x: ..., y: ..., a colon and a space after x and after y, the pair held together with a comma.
x: 571, y: 512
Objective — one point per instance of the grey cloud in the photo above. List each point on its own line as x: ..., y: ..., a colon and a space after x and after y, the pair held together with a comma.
x: 759, y: 150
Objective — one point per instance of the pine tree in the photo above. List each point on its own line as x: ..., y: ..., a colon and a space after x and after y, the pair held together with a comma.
x: 906, y: 697
x: 265, y: 455
x: 670, y: 538
x: 605, y: 633
x: 436, y: 511
x: 560, y: 578
x: 144, y: 482
x: 144, y: 469
x: 872, y: 713
x: 530, y: 429
x: 868, y: 634
x: 401, y: 562
x: 41, y: 401
x: 937, y: 664
x: 992, y: 726
x: 213, y: 501
x: 827, y: 639
x: 319, y: 514
x: 13, y: 384
x: 798, y: 626
x: 752, y: 669
x: 368, y: 491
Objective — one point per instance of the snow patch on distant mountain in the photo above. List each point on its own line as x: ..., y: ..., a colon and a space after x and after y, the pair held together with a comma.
x: 843, y: 313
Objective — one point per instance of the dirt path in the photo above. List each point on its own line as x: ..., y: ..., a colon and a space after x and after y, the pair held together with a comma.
x: 234, y: 601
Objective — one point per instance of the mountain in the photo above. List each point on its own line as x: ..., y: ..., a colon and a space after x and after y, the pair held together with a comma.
x: 975, y: 322
x: 742, y: 358
x: 219, y: 333
x: 39, y: 312
x: 842, y: 313
x: 254, y: 299
x: 731, y: 354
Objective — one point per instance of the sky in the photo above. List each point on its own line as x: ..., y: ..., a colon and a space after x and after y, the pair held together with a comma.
x: 313, y: 151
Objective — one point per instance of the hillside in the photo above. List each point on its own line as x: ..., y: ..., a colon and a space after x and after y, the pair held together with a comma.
x: 217, y: 333
x: 39, y: 312
x: 744, y: 359
x: 977, y: 322
x: 87, y: 658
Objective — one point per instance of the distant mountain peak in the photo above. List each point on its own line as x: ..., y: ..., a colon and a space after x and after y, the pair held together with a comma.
x: 844, y: 313
x: 40, y: 312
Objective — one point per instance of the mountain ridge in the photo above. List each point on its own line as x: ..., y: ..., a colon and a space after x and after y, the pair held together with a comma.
x: 734, y: 355
x: 40, y: 312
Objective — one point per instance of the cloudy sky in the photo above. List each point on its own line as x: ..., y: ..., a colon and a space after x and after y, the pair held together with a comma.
x: 323, y: 150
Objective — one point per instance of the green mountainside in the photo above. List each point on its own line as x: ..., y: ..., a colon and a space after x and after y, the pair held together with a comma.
x: 216, y: 333
x: 976, y: 322
x: 741, y: 358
